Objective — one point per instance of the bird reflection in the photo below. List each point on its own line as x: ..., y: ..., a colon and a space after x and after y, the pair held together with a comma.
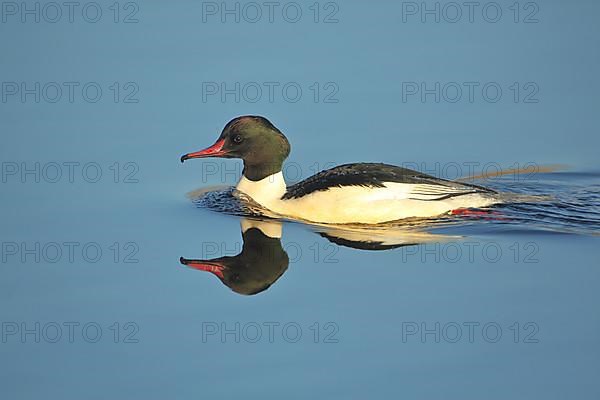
x: 263, y: 259
x: 260, y: 263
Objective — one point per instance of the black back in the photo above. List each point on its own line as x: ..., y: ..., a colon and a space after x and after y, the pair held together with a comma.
x: 371, y: 175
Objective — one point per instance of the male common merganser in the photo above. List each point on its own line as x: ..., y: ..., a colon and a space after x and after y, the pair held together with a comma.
x: 367, y: 193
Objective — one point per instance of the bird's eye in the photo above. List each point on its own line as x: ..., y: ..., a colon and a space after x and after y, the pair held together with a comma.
x: 237, y: 139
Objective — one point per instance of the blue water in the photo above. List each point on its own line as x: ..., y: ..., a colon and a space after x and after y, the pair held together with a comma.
x: 95, y: 218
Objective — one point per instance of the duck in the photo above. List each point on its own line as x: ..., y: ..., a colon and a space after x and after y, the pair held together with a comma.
x: 356, y: 193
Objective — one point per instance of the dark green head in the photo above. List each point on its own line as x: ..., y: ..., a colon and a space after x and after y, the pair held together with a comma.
x: 253, y: 139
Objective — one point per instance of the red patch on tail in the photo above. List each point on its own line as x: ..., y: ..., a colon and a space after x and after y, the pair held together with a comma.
x: 470, y: 212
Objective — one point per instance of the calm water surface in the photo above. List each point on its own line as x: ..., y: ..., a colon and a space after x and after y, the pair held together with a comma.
x: 508, y: 296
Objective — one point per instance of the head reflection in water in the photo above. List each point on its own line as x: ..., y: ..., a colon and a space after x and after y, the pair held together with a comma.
x: 261, y: 262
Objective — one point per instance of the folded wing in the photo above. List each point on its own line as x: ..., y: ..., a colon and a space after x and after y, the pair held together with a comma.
x: 419, y: 186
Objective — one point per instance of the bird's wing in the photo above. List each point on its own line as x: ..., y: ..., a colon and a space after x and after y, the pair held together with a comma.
x: 423, y: 186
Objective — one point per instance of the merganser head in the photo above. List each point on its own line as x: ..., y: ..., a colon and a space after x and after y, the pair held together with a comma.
x: 255, y: 140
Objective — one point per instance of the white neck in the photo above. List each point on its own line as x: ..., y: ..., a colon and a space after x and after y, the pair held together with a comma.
x: 267, y: 192
x: 271, y: 229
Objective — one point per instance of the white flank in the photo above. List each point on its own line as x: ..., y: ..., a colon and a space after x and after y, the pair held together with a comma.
x: 358, y: 204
